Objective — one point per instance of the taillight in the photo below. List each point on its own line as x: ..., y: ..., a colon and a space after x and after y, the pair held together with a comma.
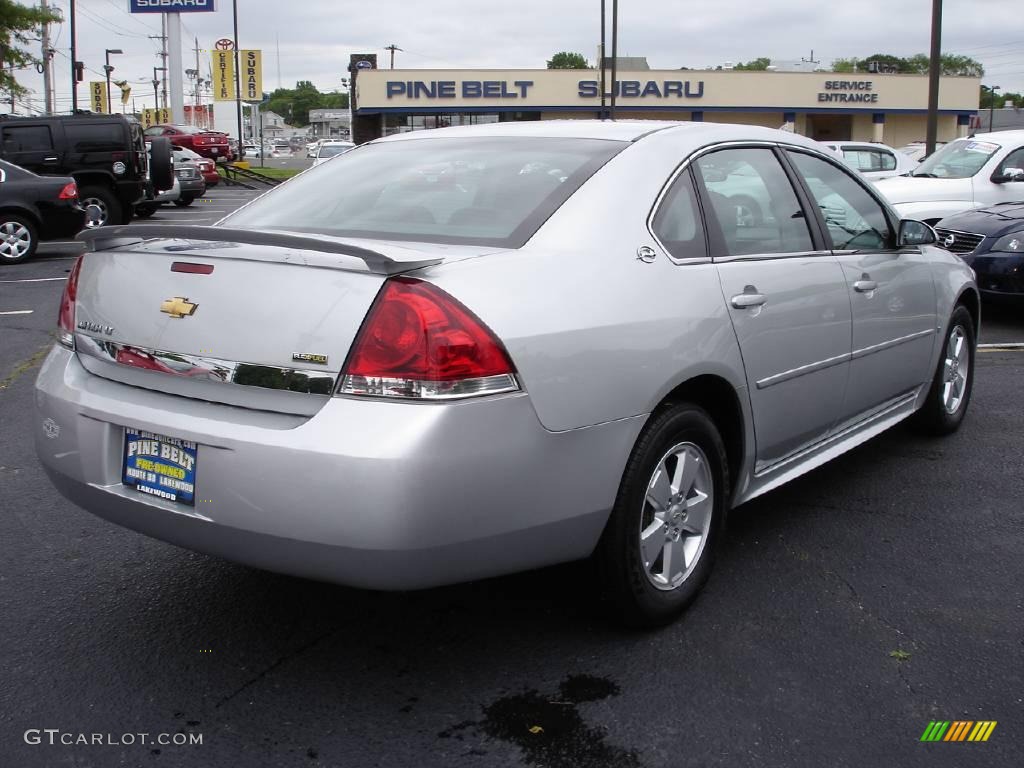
x: 66, y: 316
x: 418, y: 342
x: 70, y: 192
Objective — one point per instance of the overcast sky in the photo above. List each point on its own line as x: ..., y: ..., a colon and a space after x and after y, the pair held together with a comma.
x: 315, y: 37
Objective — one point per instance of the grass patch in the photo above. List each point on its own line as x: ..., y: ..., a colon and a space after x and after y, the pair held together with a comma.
x: 899, y: 655
x: 276, y: 173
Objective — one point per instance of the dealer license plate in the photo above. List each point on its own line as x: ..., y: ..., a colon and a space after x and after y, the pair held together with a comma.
x: 160, y: 466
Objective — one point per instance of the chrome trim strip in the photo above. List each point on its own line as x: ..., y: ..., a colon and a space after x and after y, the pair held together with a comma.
x: 803, y: 370
x: 771, y: 256
x: 201, y: 368
x: 865, y: 351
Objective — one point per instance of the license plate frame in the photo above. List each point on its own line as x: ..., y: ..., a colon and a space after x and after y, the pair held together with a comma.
x: 160, y: 466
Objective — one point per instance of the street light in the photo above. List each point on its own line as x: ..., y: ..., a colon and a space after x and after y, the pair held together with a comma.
x: 108, y: 69
x: 156, y: 85
x: 991, y: 105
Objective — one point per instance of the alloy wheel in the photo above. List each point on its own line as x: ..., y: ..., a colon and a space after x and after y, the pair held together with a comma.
x: 676, y: 515
x: 15, y: 240
x: 955, y: 369
x: 104, y: 214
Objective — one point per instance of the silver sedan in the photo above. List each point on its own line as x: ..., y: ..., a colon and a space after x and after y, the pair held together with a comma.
x: 453, y: 354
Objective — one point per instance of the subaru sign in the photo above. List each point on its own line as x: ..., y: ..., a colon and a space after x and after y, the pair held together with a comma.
x: 170, y: 6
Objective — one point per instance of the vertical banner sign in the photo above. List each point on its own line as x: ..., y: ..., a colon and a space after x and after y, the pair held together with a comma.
x: 98, y: 96
x: 252, y: 74
x: 147, y: 118
x: 151, y: 117
x: 223, y: 75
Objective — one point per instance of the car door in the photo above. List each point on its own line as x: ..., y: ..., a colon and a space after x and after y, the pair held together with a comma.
x: 31, y: 146
x: 786, y: 296
x: 891, y: 289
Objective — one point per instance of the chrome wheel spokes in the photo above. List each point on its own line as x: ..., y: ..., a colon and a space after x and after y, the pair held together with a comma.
x: 15, y: 240
x: 955, y: 369
x: 676, y: 516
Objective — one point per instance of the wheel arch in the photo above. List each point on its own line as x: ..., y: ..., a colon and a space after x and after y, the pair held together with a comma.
x: 970, y: 299
x: 94, y: 178
x: 719, y: 398
x: 22, y: 210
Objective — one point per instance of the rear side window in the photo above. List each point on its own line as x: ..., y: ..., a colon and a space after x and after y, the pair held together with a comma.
x: 94, y: 137
x: 754, y: 202
x: 677, y: 224
x: 870, y: 160
x: 855, y: 220
x: 474, y: 191
x: 27, y: 138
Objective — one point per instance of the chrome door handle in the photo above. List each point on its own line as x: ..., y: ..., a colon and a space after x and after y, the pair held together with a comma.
x: 865, y: 286
x: 50, y: 159
x: 747, y: 300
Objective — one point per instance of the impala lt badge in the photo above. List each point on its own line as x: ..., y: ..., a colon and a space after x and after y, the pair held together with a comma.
x: 179, y: 307
x: 85, y: 325
x: 306, y: 357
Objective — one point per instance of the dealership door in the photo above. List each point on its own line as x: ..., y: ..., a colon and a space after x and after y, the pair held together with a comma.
x: 830, y: 127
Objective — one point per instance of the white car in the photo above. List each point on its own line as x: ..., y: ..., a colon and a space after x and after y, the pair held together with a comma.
x: 976, y: 172
x: 874, y: 161
x: 252, y: 150
x: 329, y: 149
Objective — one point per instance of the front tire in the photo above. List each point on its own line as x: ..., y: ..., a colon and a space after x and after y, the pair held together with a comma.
x: 659, y: 546
x: 18, y: 238
x: 950, y: 393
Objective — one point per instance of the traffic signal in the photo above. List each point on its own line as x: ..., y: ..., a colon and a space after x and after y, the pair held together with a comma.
x: 79, y: 71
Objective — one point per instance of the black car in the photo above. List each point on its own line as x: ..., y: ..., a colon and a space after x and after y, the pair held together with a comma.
x: 104, y: 154
x: 991, y: 240
x: 34, y: 208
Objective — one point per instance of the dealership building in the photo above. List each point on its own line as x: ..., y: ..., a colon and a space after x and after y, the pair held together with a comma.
x: 823, y: 105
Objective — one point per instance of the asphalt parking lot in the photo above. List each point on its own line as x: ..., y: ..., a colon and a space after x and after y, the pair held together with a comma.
x: 847, y: 611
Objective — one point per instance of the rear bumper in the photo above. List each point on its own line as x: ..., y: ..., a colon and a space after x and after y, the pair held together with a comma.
x: 366, y: 493
x: 63, y: 222
x: 192, y: 187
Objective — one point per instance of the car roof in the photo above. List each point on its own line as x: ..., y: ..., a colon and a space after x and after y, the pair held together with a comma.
x: 1000, y: 137
x: 696, y: 134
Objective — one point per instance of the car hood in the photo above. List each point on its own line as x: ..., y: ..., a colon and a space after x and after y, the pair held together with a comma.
x: 995, y: 220
x: 919, y: 189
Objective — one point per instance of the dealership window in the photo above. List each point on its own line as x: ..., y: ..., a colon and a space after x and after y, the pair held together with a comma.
x: 406, y: 123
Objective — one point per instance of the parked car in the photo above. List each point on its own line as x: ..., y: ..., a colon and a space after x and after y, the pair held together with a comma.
x: 104, y: 154
x: 193, y: 186
x: 252, y: 150
x: 312, y: 147
x: 35, y: 208
x: 329, y: 149
x: 873, y: 160
x: 918, y: 150
x: 211, y: 144
x: 573, y: 350
x: 967, y: 173
x: 207, y: 168
x: 991, y: 241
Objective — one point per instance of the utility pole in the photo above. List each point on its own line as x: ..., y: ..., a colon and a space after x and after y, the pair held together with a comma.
x: 810, y: 60
x: 162, y: 37
x: 238, y: 80
x: 615, y: 52
x: 601, y: 57
x: 392, y: 48
x: 47, y: 62
x: 934, y: 68
x: 74, y: 63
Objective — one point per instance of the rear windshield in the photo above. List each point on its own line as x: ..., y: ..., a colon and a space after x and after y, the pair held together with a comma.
x: 474, y: 191
x: 959, y: 160
x: 330, y: 150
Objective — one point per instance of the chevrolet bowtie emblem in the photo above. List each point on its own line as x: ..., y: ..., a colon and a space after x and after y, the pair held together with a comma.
x: 179, y: 307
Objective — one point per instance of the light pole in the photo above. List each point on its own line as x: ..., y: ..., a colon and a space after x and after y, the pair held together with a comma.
x: 108, y: 69
x: 156, y: 85
x: 991, y: 105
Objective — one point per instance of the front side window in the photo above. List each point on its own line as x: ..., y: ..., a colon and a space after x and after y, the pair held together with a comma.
x: 855, y: 220
x: 27, y: 138
x: 959, y: 160
x: 677, y: 224
x: 754, y: 202
x: 474, y: 191
x: 1013, y: 160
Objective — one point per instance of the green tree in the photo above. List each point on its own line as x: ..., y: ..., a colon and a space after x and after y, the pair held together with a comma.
x: 757, y: 65
x: 18, y: 24
x: 1009, y: 98
x: 294, y: 104
x: 568, y: 60
x: 846, y: 66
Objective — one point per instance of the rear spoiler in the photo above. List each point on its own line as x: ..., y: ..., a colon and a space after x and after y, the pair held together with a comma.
x: 106, y: 238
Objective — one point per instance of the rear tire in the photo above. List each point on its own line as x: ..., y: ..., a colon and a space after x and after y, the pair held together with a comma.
x: 144, y: 210
x: 950, y: 392
x: 104, y: 199
x: 659, y: 546
x: 184, y: 202
x: 18, y: 238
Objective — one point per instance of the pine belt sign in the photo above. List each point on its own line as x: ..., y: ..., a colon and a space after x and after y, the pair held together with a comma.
x: 250, y: 75
x: 170, y: 6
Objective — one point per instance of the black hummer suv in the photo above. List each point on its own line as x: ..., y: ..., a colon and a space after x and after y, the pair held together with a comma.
x: 105, y: 154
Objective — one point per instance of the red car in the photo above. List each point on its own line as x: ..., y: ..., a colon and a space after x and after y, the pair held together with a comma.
x: 211, y: 144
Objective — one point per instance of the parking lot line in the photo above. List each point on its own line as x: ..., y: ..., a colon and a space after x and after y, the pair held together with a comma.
x: 18, y: 312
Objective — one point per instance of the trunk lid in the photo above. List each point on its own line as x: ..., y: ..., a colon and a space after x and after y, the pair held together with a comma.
x: 265, y: 324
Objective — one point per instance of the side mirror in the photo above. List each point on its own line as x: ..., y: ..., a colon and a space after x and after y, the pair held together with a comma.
x: 916, y: 233
x: 1009, y: 174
